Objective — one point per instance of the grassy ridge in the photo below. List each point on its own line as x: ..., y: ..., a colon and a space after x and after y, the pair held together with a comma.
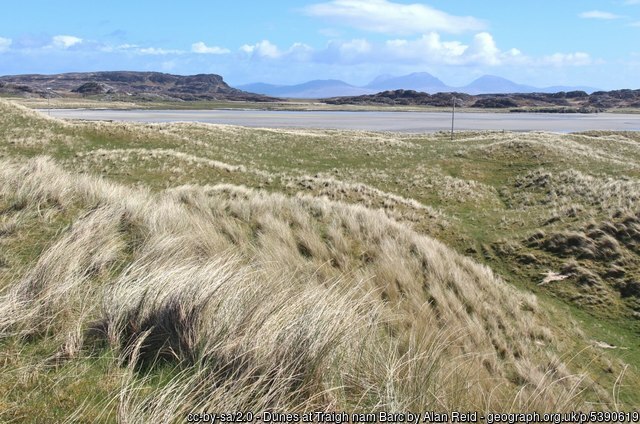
x: 225, y: 268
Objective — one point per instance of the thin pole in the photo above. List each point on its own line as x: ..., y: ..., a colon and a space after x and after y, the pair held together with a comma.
x: 453, y: 115
x: 49, y: 100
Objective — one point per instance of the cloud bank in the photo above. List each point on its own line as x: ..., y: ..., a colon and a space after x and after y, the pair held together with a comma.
x: 201, y: 48
x: 428, y: 49
x: 393, y: 18
x: 65, y: 41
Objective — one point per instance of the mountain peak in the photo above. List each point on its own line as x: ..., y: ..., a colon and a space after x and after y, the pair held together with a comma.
x: 311, y: 89
x: 491, y: 78
x: 492, y: 84
x: 381, y: 78
x: 419, y: 81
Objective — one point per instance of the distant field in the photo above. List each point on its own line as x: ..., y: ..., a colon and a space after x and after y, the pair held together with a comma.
x: 174, y: 267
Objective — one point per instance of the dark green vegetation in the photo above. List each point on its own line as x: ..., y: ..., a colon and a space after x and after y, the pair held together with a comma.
x: 556, y: 215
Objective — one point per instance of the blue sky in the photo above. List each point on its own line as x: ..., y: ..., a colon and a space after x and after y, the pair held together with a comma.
x: 576, y: 42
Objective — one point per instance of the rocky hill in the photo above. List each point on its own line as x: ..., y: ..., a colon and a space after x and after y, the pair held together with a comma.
x: 571, y: 101
x: 140, y: 85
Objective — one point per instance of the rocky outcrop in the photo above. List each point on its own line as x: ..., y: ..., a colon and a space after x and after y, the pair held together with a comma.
x: 154, y: 85
x: 571, y: 101
x: 94, y: 88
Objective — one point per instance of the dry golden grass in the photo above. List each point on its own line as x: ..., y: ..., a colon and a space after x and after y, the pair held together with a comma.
x: 545, y: 146
x: 267, y: 301
x: 572, y: 187
x: 177, y: 296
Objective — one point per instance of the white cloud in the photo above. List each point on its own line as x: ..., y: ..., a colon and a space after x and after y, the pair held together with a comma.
x: 262, y: 49
x: 357, y: 46
x: 137, y: 49
x: 157, y: 51
x: 598, y: 14
x: 127, y: 46
x: 484, y: 50
x: 5, y: 43
x: 201, y: 48
x: 428, y: 49
x: 345, y: 52
x: 567, y: 59
x: 300, y: 52
x: 635, y: 24
x: 65, y: 41
x: 393, y: 18
x: 266, y: 50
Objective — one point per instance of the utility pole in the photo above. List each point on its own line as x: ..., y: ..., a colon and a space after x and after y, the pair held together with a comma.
x: 453, y: 114
x: 49, y: 100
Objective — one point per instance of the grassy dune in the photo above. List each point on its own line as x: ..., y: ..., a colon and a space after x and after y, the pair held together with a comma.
x: 175, y: 268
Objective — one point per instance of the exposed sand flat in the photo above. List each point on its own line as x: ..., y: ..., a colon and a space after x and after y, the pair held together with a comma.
x: 371, y: 121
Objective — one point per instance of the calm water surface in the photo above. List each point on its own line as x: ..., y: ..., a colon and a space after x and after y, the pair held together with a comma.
x: 371, y: 121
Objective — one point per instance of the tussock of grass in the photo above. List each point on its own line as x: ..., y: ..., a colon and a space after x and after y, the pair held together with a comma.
x: 601, y: 260
x: 573, y: 187
x: 310, y: 310
x: 126, y: 155
x: 544, y: 146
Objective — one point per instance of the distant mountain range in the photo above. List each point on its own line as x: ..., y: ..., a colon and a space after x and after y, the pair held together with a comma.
x: 309, y: 90
x: 419, y: 81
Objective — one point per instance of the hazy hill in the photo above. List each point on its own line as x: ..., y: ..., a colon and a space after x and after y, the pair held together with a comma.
x: 311, y: 89
x: 419, y: 81
x: 261, y: 88
x: 496, y: 85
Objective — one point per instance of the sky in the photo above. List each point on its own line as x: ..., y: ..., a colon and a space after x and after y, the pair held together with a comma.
x: 594, y: 43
